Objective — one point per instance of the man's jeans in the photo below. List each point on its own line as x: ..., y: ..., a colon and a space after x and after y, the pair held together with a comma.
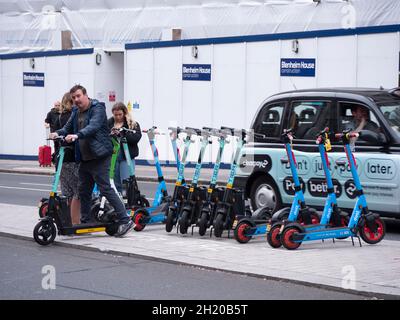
x: 98, y: 171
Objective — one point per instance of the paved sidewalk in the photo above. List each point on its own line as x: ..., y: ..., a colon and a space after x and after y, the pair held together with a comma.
x: 143, y: 172
x: 372, y: 269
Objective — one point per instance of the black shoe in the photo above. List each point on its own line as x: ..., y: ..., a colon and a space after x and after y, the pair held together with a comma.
x: 124, y: 228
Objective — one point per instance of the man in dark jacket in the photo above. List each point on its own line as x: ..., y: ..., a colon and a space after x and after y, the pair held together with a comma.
x: 87, y: 126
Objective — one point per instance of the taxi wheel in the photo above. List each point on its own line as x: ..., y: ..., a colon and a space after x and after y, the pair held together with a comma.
x: 264, y: 193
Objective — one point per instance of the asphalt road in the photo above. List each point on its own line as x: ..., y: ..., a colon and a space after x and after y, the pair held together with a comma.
x: 27, y: 190
x: 29, y: 271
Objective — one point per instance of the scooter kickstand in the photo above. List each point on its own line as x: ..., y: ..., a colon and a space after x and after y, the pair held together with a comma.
x: 359, y: 241
x: 211, y: 230
x: 193, y: 228
x: 352, y: 240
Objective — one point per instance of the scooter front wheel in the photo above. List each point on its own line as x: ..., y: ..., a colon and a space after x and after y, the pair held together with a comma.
x: 139, y: 219
x: 374, y: 232
x: 203, y: 224
x: 240, y: 232
x: 287, y: 238
x: 274, y: 237
x: 169, y: 222
x: 44, y: 232
x: 184, y: 222
x: 219, y: 225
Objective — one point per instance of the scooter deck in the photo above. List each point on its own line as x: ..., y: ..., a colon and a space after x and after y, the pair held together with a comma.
x: 84, y: 228
x: 326, y: 233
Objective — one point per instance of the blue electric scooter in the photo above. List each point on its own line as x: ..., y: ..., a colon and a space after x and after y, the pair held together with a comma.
x: 331, y: 216
x: 156, y: 213
x: 214, y: 194
x: 190, y: 205
x: 58, y: 216
x: 362, y: 222
x: 181, y: 190
x: 299, y: 211
x: 232, y: 205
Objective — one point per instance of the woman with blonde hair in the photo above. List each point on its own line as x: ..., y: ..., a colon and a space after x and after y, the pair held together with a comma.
x: 122, y: 118
x: 69, y: 178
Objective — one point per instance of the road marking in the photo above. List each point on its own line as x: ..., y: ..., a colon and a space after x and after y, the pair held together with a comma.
x: 27, y: 174
x: 36, y: 184
x: 20, y: 188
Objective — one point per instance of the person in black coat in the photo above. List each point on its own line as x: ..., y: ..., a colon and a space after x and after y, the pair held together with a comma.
x: 121, y: 118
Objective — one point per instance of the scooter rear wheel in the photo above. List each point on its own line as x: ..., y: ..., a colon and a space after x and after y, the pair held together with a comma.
x: 344, y: 221
x: 219, y: 225
x: 274, y: 237
x: 43, y: 209
x: 240, y: 232
x: 143, y: 202
x: 112, y: 229
x: 184, y: 222
x: 371, y: 236
x: 287, y: 238
x: 44, y: 232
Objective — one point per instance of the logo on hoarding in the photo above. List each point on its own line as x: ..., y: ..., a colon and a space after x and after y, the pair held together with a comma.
x: 196, y: 72
x: 298, y: 67
x: 33, y: 79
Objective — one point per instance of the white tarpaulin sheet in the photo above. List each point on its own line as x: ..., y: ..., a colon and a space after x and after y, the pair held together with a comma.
x: 35, y: 25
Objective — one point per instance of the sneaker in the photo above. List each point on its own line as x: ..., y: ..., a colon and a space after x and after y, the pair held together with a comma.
x: 124, y: 228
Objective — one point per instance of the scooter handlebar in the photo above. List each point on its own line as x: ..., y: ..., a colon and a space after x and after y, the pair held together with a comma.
x: 193, y: 130
x: 347, y: 135
x: 58, y: 138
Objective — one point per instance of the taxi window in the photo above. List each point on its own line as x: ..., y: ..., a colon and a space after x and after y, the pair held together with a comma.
x: 307, y: 118
x: 357, y: 117
x: 391, y: 112
x: 270, y: 119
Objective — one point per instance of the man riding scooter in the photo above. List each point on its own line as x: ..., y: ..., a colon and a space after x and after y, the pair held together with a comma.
x: 87, y: 126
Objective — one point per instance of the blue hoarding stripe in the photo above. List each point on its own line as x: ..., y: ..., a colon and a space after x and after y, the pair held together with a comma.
x: 267, y: 37
x: 40, y: 54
